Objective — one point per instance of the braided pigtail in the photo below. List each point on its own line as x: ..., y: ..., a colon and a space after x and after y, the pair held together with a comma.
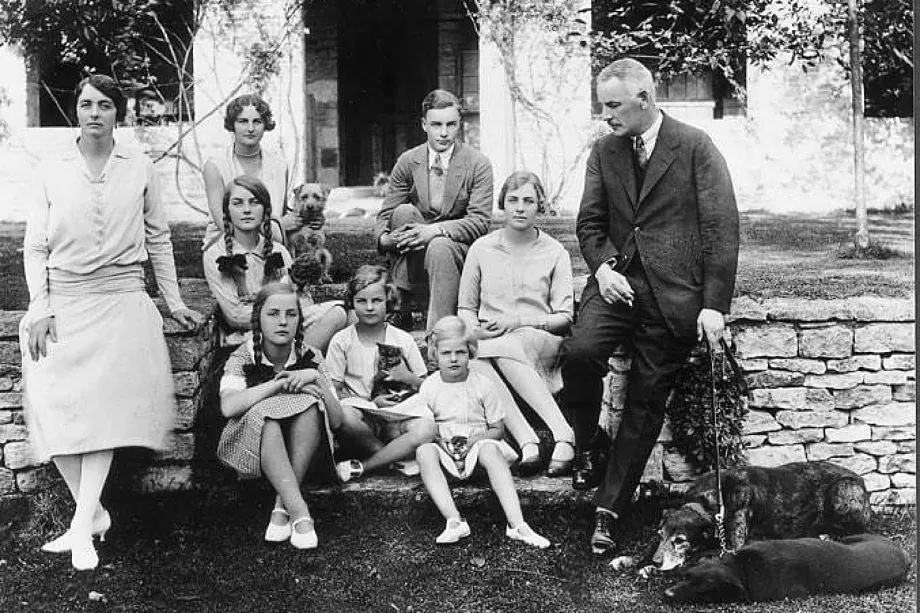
x: 271, y: 271
x: 257, y: 330
x: 298, y: 335
x: 228, y: 235
x: 229, y: 265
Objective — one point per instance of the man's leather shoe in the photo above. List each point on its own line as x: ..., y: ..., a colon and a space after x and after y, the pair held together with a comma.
x: 602, y: 540
x: 586, y: 473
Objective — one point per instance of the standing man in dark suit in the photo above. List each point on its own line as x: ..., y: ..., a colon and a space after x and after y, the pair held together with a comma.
x: 438, y: 202
x: 658, y: 227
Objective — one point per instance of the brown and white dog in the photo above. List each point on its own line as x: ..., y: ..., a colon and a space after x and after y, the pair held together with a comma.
x: 793, y: 568
x: 309, y: 204
x: 789, y: 501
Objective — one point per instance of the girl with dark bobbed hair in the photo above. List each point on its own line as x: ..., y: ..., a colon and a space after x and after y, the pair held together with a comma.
x: 96, y: 373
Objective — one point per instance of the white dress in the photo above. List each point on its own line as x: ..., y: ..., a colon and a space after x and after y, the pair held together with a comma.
x: 463, y: 409
x: 106, y: 382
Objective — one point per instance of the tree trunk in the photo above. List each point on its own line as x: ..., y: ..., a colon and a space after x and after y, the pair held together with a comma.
x: 859, y: 144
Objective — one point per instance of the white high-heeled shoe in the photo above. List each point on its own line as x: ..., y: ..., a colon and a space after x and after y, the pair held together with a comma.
x: 83, y: 555
x: 101, y: 525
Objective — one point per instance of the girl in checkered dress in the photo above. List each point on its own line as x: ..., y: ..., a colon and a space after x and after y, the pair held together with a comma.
x: 281, y: 408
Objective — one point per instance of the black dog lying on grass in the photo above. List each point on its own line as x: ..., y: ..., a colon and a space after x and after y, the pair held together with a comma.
x: 793, y: 568
x: 789, y: 501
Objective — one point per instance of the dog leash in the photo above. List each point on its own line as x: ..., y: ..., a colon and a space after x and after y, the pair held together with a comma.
x: 720, y: 516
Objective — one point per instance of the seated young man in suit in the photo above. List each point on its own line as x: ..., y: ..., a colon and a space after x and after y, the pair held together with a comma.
x: 439, y: 200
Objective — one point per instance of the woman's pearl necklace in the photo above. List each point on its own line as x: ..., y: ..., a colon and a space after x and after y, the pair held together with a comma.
x: 257, y: 152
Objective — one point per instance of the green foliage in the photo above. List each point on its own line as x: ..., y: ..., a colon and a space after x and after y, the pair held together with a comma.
x: 690, y: 411
x: 887, y: 58
x: 681, y: 36
x: 264, y: 61
x: 720, y: 36
x: 119, y: 37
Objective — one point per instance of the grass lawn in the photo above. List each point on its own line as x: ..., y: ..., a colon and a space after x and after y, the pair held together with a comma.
x: 780, y: 256
x: 199, y: 551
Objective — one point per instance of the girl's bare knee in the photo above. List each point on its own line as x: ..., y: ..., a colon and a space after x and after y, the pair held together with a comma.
x: 490, y: 455
x: 423, y: 430
x: 426, y: 452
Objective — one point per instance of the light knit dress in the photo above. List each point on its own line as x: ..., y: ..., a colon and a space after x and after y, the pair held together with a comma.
x: 106, y: 382
x: 532, y: 284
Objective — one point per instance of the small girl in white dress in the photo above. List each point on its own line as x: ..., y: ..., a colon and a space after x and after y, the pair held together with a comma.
x: 470, y: 431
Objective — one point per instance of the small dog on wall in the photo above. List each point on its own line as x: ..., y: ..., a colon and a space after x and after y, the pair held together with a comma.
x: 793, y: 568
x: 310, y: 205
x: 789, y: 501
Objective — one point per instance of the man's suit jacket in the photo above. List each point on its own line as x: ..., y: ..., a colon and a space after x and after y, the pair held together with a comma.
x: 683, y: 224
x: 467, y: 205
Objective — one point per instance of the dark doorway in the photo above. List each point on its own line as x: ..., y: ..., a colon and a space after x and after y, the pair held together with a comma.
x: 387, y: 52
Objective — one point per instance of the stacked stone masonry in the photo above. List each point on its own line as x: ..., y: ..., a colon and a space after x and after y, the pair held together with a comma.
x: 171, y: 469
x: 829, y: 380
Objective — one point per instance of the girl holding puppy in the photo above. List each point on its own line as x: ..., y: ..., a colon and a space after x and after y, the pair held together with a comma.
x: 470, y: 430
x: 281, y: 407
x: 382, y: 438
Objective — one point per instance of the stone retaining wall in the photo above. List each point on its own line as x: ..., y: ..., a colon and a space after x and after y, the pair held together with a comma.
x: 172, y: 469
x: 829, y: 380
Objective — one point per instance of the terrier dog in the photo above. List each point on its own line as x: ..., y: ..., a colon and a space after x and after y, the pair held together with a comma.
x: 793, y: 568
x: 310, y: 205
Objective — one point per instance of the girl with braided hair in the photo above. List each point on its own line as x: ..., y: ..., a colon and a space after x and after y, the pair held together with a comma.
x: 246, y: 259
x: 281, y: 407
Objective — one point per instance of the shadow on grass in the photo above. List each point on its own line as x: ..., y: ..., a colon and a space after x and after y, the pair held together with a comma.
x: 202, y: 551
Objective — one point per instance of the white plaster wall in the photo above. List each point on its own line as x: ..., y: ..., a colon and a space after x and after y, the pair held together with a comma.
x: 13, y: 82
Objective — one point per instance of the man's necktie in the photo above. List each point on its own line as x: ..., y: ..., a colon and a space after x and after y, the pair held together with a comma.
x: 436, y: 184
x: 641, y: 154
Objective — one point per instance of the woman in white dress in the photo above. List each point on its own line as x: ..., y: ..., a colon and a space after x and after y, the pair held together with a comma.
x: 516, y: 292
x: 248, y: 118
x: 96, y: 369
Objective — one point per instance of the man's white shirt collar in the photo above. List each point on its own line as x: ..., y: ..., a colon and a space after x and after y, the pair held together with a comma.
x: 445, y: 156
x: 650, y: 136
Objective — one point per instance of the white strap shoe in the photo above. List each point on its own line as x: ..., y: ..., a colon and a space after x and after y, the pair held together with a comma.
x: 525, y: 534
x: 277, y: 533
x: 455, y: 530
